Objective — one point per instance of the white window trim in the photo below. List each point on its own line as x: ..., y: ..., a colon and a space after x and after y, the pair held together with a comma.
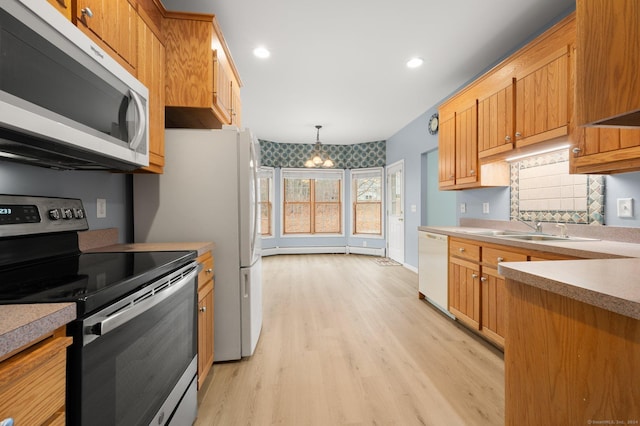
x: 310, y: 174
x: 352, y: 197
x: 269, y: 172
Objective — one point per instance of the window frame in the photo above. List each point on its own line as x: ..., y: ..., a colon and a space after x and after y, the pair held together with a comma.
x: 352, y: 177
x: 267, y: 173
x: 311, y: 174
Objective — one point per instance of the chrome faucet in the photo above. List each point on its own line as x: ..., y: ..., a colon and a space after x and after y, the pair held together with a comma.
x: 537, y: 227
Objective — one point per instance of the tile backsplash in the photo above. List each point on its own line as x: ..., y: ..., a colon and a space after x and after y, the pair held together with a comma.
x: 543, y: 190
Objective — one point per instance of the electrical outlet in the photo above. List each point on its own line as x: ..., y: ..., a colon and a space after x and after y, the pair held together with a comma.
x: 101, y: 208
x: 364, y: 244
x: 625, y: 207
x: 485, y: 208
x: 463, y: 208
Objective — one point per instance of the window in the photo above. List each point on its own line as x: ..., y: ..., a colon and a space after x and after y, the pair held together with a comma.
x: 312, y: 202
x: 366, y: 193
x: 265, y: 185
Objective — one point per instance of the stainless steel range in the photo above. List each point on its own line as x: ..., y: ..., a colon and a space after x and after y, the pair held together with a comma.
x: 133, y: 359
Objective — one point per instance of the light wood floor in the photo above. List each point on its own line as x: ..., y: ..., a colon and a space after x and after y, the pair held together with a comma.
x: 347, y: 342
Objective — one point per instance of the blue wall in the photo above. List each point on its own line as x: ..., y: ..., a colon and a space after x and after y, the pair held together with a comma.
x: 409, y: 144
x: 19, y: 179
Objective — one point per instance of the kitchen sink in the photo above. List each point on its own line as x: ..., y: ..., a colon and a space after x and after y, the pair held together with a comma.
x: 545, y: 237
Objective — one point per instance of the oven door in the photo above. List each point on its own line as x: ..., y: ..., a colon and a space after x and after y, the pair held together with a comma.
x: 135, y: 355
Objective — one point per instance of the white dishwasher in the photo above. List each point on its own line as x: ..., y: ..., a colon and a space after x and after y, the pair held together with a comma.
x: 433, y: 269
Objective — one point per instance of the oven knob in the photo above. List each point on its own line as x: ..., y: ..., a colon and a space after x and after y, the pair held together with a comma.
x: 67, y: 214
x: 54, y: 214
x: 78, y: 213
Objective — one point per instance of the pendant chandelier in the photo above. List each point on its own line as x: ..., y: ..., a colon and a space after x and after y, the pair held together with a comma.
x: 318, y: 156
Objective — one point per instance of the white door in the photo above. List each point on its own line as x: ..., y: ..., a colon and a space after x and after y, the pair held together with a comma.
x: 395, y: 211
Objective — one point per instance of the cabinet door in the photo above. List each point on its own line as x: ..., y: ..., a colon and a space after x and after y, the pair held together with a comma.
x: 467, y: 146
x: 607, y: 62
x: 495, y: 123
x: 447, y: 152
x: 542, y: 101
x: 221, y: 86
x: 493, y: 296
x: 236, y: 104
x: 151, y: 58
x: 205, y: 331
x: 89, y: 15
x: 464, y: 292
x: 605, y: 150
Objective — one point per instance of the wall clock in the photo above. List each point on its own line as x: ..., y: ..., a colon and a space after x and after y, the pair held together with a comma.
x: 433, y: 124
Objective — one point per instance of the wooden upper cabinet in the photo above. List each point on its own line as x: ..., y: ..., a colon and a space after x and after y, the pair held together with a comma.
x: 495, y: 122
x: 447, y: 151
x: 607, y: 63
x: 467, y: 146
x: 113, y: 25
x: 605, y: 150
x: 200, y: 73
x: 151, y: 72
x: 542, y: 100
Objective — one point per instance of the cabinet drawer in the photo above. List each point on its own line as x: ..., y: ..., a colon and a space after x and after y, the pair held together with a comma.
x: 492, y: 256
x: 464, y: 250
x: 206, y: 275
x: 32, y: 383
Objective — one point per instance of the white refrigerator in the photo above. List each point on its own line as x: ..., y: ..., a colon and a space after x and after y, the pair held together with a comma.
x: 209, y: 192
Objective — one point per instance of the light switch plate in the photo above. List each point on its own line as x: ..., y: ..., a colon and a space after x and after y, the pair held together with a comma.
x: 463, y: 208
x: 485, y: 208
x: 625, y: 207
x: 101, y: 207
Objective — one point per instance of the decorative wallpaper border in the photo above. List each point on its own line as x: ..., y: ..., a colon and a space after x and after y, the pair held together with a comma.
x: 293, y: 155
x: 594, y: 213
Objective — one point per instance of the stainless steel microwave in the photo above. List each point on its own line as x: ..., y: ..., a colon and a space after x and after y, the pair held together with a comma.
x: 64, y: 102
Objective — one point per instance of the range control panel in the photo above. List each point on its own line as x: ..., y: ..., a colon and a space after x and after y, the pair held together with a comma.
x: 27, y: 215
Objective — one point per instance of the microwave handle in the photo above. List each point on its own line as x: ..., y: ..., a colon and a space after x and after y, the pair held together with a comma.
x: 142, y: 123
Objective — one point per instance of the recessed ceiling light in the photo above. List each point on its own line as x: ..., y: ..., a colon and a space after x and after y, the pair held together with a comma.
x: 261, y: 52
x: 414, y: 62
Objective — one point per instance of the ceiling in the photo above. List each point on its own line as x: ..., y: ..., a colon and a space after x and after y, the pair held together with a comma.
x: 341, y: 63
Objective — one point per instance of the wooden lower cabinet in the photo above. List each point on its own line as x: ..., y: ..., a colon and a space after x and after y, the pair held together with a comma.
x: 550, y: 359
x: 205, y: 317
x: 477, y: 292
x: 33, y: 383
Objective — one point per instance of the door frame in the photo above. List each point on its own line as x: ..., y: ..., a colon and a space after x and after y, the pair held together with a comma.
x: 398, y: 164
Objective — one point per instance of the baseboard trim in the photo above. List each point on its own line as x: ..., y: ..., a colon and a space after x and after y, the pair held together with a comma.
x: 324, y: 250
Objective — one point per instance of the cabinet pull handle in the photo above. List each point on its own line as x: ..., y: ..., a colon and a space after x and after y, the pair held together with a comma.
x: 203, y: 309
x: 87, y: 12
x: 461, y: 249
x: 507, y: 138
x: 483, y: 279
x: 576, y: 150
x: 518, y: 134
x: 500, y: 259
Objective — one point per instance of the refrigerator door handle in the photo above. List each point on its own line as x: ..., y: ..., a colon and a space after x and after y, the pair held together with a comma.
x: 245, y: 285
x: 256, y: 204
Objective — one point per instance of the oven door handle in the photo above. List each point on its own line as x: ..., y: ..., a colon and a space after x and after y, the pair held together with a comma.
x: 135, y: 309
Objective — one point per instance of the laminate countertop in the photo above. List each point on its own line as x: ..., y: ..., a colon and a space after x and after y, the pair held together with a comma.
x: 608, y: 277
x: 20, y: 325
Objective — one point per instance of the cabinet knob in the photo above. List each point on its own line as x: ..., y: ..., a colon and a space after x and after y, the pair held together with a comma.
x: 452, y: 176
x: 518, y: 134
x: 474, y: 276
x: 87, y: 12
x: 461, y: 249
x: 483, y: 279
x: 507, y: 138
x: 472, y: 172
x: 576, y: 150
x: 500, y: 259
x: 209, y: 270
x: 7, y: 422
x: 203, y: 309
